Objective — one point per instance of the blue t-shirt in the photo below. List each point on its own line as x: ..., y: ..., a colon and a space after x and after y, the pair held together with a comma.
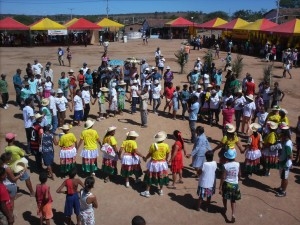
x: 194, y: 111
x: 88, y: 78
x: 33, y: 86
x: 156, y: 76
x: 17, y: 81
x: 218, y: 79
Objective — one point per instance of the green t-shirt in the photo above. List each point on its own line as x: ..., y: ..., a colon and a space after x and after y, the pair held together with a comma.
x: 17, y: 153
x: 3, y: 86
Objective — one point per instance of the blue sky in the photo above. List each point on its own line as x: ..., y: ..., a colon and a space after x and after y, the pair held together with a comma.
x: 85, y: 7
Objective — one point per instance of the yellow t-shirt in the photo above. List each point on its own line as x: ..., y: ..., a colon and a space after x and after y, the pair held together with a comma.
x: 270, y: 139
x: 111, y: 140
x: 67, y: 140
x: 90, y: 137
x: 230, y: 143
x: 285, y: 120
x: 160, y: 152
x: 129, y: 146
x: 16, y: 153
x: 275, y: 118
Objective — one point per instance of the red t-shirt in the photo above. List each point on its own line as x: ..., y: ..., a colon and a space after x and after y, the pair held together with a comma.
x: 4, y: 196
x: 250, y: 88
x: 227, y: 115
x: 169, y: 92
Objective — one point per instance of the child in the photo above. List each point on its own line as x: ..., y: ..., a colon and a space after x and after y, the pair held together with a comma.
x: 44, y: 200
x: 113, y: 107
x: 88, y: 201
x: 47, y: 141
x: 121, y: 96
x: 101, y: 102
x: 207, y: 178
x: 72, y: 198
x: 175, y: 101
x: 286, y: 69
x: 3, y: 91
x: 78, y: 108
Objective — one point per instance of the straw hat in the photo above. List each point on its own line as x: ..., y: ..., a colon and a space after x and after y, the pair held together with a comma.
x: 195, y: 68
x: 66, y: 127
x: 111, y: 129
x: 38, y: 116
x: 86, y: 85
x: 156, y: 82
x: 59, y: 91
x: 71, y: 71
x: 273, y: 125
x: 147, y: 69
x: 132, y: 134
x: 10, y: 136
x: 283, y: 126
x: 275, y: 108
x: 230, y: 128
x: 250, y: 97
x: 168, y: 68
x: 209, y: 86
x: 199, y: 86
x: 160, y: 136
x: 198, y: 58
x: 88, y: 124
x: 213, y: 92
x: 104, y: 89
x: 230, y: 154
x: 20, y: 165
x: 255, y: 126
x: 121, y: 83
x: 45, y: 102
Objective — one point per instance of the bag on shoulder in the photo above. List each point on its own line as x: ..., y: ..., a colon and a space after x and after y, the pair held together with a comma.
x: 276, y: 147
x: 108, y: 149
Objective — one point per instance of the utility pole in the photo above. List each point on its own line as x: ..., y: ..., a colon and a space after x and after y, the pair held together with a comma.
x: 277, y: 12
x: 71, y: 9
x: 107, y: 9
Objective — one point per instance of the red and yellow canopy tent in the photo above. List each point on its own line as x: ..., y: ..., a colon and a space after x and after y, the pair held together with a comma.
x: 180, y: 22
x: 46, y: 24
x: 258, y: 25
x: 9, y: 23
x: 82, y: 24
x: 70, y: 22
x: 212, y: 24
x: 290, y: 27
x: 229, y: 29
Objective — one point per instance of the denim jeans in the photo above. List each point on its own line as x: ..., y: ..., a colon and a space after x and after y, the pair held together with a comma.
x: 54, y: 123
x: 192, y: 124
x: 156, y: 104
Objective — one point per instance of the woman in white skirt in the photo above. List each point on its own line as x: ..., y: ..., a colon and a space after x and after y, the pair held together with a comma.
x: 157, y: 167
x: 90, y: 152
x: 131, y: 163
x: 253, y: 153
x: 68, y: 144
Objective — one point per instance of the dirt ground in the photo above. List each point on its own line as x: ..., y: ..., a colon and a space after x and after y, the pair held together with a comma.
x: 117, y: 204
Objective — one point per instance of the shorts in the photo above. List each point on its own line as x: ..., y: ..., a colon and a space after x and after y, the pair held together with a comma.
x: 46, y: 211
x: 78, y: 115
x: 12, y: 190
x: 284, y: 173
x: 72, y: 202
x: 25, y: 176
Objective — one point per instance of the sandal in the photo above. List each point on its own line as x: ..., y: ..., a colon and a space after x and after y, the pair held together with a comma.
x: 171, y: 187
x: 180, y: 182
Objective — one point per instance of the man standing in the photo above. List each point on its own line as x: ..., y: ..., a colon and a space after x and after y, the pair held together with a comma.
x: 33, y: 86
x: 4, y: 91
x: 48, y: 72
x: 63, y: 84
x: 17, y: 80
x: 53, y: 109
x: 36, y: 132
x: 277, y: 95
x: 60, y: 54
x: 193, y: 110
x: 193, y: 77
x: 37, y: 68
x: 187, y: 50
x: 28, y: 117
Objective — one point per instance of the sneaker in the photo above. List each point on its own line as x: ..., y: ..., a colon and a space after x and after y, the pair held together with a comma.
x: 127, y: 185
x: 145, y: 194
x: 160, y: 192
x: 5, y: 107
x: 281, y: 194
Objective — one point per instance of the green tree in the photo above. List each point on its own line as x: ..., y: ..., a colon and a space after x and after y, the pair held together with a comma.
x: 27, y: 20
x: 289, y: 3
x: 238, y: 65
x: 221, y: 14
x: 180, y: 59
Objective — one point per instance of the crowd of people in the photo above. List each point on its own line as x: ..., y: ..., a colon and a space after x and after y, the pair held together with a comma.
x: 260, y: 120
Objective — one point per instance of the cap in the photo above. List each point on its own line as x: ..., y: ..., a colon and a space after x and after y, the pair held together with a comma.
x: 10, y: 136
x: 168, y: 68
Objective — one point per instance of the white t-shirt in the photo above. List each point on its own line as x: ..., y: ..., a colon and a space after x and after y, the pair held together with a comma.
x: 232, y: 172
x: 86, y: 96
x: 156, y: 91
x: 134, y: 90
x: 265, y: 94
x: 61, y: 103
x: 206, y: 78
x: 261, y: 117
x: 214, y: 102
x: 207, y: 177
x: 37, y: 68
x: 52, y: 105
x: 239, y: 102
x: 48, y: 86
x: 27, y: 113
x: 84, y: 69
x: 249, y: 109
x: 78, y: 105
